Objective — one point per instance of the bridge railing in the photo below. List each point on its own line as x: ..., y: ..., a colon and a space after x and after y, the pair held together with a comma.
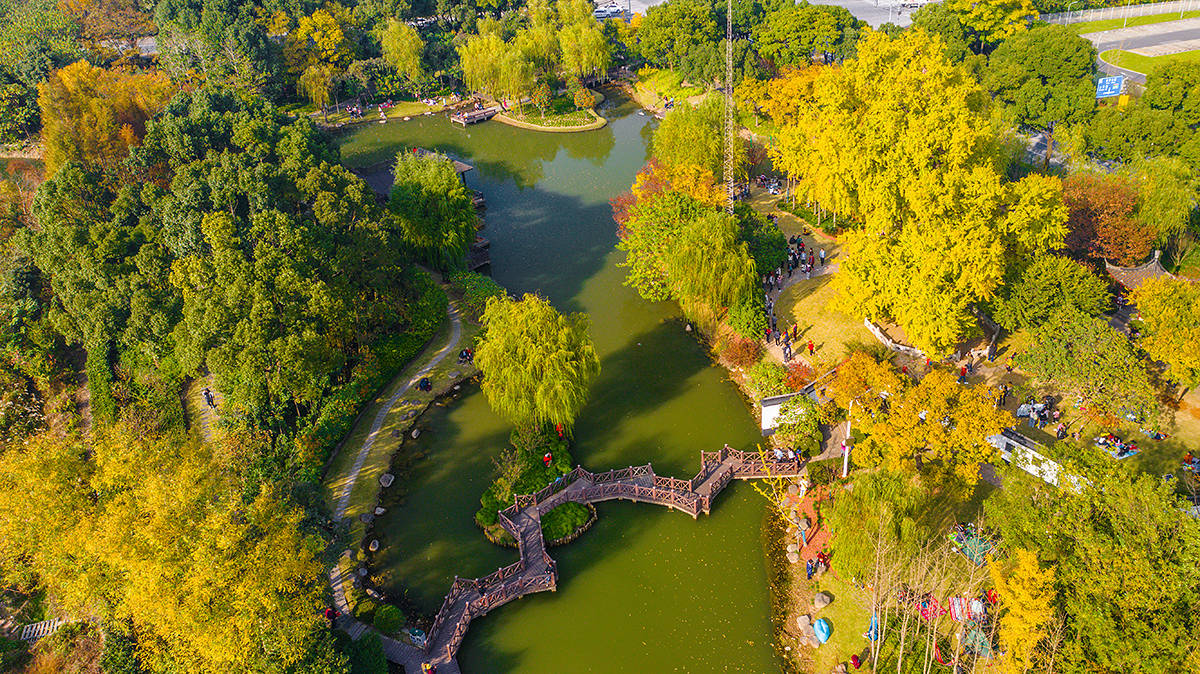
x: 623, y: 474
x: 500, y: 575
x: 672, y: 483
x: 756, y: 468
x: 458, y: 588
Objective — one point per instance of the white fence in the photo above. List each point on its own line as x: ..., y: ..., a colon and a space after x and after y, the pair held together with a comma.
x: 1123, y: 12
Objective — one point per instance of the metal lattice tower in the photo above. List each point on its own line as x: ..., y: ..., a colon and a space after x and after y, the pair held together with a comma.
x: 730, y: 138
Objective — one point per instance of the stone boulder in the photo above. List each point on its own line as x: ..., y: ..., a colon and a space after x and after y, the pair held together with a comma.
x: 793, y: 558
x: 805, y: 524
x: 379, y: 510
x: 374, y: 545
x: 386, y: 480
x: 804, y: 624
x: 821, y: 600
x: 416, y: 433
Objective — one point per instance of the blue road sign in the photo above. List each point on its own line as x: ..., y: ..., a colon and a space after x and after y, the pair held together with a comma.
x: 1109, y: 86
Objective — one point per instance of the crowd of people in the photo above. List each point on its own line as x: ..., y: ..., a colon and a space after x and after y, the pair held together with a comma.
x: 801, y: 258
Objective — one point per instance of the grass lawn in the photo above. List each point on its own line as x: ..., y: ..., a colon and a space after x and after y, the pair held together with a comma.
x: 1113, y: 24
x: 655, y: 86
x: 807, y: 304
x: 1145, y: 64
x: 849, y: 616
x: 560, y: 113
x: 366, y: 488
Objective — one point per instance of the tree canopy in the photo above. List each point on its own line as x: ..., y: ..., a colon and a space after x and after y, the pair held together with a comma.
x: 1118, y: 534
x: 1046, y: 286
x: 1170, y: 311
x: 537, y: 363
x: 1084, y: 356
x: 1043, y: 77
x: 436, y: 215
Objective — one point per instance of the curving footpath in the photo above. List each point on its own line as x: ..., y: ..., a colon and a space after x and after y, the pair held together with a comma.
x: 347, y: 488
x: 536, y: 571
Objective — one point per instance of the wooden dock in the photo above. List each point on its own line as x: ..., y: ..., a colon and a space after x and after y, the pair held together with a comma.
x: 466, y: 117
x: 480, y: 254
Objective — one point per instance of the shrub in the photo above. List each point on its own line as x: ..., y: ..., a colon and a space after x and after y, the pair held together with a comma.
x: 826, y: 471
x: 767, y: 378
x: 742, y: 352
x: 474, y: 289
x: 747, y: 319
x: 874, y: 349
x: 367, y: 656
x: 564, y: 520
x: 99, y: 373
x: 120, y: 655
x: 798, y: 376
x: 388, y: 619
x: 365, y: 609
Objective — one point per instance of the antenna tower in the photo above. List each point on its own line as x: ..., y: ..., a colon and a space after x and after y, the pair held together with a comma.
x: 730, y: 138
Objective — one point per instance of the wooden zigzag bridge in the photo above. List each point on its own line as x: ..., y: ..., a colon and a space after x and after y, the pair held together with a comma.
x: 470, y: 598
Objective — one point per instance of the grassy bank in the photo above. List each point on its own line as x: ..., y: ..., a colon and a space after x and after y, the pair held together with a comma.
x: 1145, y: 64
x: 1114, y: 24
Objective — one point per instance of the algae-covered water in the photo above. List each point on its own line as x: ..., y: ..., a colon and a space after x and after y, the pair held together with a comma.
x: 646, y: 589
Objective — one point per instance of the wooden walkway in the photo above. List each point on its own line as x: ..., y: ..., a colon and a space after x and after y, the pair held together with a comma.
x: 466, y: 117
x: 536, y: 571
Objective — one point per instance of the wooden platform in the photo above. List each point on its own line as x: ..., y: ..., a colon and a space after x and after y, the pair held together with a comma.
x: 472, y: 116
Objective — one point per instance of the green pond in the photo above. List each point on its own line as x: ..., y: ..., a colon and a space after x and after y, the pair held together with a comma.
x: 646, y: 589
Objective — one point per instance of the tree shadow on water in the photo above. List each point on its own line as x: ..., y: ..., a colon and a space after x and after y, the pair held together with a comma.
x: 652, y: 368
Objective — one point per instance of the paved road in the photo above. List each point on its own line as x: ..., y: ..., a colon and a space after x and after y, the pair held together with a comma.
x: 1155, y: 35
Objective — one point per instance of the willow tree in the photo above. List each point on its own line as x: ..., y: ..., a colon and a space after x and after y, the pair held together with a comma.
x: 434, y: 209
x: 402, y: 49
x: 536, y: 362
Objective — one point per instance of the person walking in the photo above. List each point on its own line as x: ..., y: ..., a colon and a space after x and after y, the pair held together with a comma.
x: 822, y: 257
x: 810, y: 347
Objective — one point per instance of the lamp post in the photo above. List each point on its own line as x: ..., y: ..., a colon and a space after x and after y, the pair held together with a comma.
x: 1069, y: 9
x: 846, y: 443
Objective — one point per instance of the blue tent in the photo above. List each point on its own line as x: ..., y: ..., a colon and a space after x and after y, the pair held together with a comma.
x: 821, y: 627
x: 873, y: 630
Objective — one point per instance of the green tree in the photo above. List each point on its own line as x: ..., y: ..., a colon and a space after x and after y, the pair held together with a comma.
x: 674, y: 28
x: 709, y: 264
x: 790, y: 34
x: 317, y: 83
x: 799, y: 425
x: 584, y: 49
x: 693, y: 136
x: 884, y: 511
x: 434, y: 208
x: 1084, y: 356
x: 403, y: 49
x: 1170, y: 310
x: 1044, y: 77
x: 1175, y: 87
x: 937, y: 19
x: 480, y: 58
x: 1046, y: 286
x: 1115, y: 533
x: 1166, y: 194
x: 536, y: 363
